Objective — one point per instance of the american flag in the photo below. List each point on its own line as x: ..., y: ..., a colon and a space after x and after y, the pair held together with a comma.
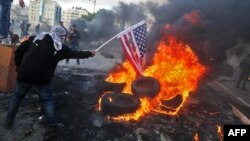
x: 133, y: 42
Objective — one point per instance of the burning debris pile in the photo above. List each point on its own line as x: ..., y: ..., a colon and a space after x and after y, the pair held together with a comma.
x: 77, y: 95
x: 199, y: 117
x: 178, y: 70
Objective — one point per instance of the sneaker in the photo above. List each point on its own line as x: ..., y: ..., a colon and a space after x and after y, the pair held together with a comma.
x: 41, y: 120
x: 6, y: 41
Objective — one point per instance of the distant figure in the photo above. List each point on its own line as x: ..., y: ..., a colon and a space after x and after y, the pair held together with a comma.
x: 14, y: 39
x: 74, y: 37
x: 13, y: 22
x: 38, y: 29
x: 244, y: 72
x: 24, y: 28
x: 11, y: 29
x: 61, y: 24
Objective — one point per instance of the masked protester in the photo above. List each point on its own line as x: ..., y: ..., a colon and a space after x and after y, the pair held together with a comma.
x: 36, y: 60
x: 244, y: 72
x: 74, y: 37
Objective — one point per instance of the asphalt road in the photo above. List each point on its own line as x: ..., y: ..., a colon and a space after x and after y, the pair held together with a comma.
x: 238, y: 99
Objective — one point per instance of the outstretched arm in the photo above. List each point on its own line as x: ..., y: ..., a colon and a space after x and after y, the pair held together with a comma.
x: 67, y: 52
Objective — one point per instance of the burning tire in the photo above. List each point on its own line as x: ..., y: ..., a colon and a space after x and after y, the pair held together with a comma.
x: 115, y: 104
x: 172, y: 103
x: 109, y: 86
x: 145, y: 87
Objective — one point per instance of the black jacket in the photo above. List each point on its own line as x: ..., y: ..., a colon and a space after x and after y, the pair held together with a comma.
x: 74, y: 37
x: 37, y: 63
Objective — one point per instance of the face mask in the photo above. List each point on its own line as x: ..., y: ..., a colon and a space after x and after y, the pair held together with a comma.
x: 62, y: 38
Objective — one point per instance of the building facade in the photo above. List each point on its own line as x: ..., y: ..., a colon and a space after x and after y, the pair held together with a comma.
x: 19, y: 14
x: 44, y: 11
x: 73, y: 14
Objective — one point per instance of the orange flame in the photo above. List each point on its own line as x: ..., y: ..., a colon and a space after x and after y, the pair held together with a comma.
x: 124, y: 73
x: 110, y: 99
x: 219, y: 132
x: 176, y: 67
x: 196, y: 137
x: 143, y: 110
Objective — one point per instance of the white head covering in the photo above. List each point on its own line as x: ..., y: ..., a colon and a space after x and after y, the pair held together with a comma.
x: 55, y: 33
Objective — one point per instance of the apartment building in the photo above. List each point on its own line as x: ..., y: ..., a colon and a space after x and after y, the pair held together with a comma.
x: 72, y: 14
x: 48, y: 11
x: 19, y: 14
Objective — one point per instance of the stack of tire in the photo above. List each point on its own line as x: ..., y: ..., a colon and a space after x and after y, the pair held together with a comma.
x: 115, y: 103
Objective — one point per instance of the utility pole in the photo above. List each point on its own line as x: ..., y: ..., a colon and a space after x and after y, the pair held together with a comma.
x: 94, y: 1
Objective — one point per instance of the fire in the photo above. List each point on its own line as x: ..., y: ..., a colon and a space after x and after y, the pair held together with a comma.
x: 219, y: 132
x: 143, y: 110
x: 196, y: 137
x: 124, y: 73
x: 176, y: 67
x: 110, y: 99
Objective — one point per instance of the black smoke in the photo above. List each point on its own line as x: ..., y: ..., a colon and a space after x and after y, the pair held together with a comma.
x: 107, y: 23
x: 222, y: 24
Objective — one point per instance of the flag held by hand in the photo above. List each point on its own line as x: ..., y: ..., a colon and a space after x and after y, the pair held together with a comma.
x: 133, y: 42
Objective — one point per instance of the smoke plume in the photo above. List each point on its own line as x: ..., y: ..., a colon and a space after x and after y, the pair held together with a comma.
x: 213, y: 28
x: 210, y: 27
x: 108, y: 23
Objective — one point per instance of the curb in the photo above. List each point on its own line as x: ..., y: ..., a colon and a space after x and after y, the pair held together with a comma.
x: 240, y: 115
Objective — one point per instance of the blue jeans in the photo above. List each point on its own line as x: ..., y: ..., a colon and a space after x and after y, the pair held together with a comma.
x: 5, y: 6
x: 45, y: 96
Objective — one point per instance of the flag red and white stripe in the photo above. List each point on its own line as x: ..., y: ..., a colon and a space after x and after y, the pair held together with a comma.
x: 133, y: 42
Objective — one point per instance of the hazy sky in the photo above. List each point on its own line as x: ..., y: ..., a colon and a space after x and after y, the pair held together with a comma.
x: 88, y: 4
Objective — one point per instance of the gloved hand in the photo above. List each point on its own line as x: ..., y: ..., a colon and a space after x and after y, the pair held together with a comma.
x: 93, y: 53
